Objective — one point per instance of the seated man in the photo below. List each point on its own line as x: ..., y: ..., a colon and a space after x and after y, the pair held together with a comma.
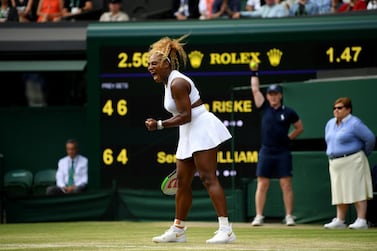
x: 226, y: 8
x: 72, y: 173
x: 271, y: 9
x: 185, y: 9
x: 72, y: 7
x: 115, y: 13
x: 304, y: 8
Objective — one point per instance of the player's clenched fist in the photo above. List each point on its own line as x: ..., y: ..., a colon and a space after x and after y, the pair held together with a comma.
x: 151, y: 124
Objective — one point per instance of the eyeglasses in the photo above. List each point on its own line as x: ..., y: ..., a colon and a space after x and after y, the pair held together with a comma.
x: 338, y: 108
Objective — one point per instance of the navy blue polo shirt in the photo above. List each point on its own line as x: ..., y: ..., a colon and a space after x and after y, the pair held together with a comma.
x: 275, y: 126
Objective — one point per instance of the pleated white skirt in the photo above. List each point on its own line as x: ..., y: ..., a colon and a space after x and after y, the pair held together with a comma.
x: 205, y: 131
x: 351, y: 179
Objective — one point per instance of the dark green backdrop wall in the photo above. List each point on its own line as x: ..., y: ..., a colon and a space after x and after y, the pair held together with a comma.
x: 314, y: 101
x: 34, y: 138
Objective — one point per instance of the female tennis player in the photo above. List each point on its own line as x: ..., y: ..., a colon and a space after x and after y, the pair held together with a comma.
x: 200, y: 134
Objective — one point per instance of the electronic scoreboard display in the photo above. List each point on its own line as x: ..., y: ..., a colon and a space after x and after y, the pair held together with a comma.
x: 124, y: 94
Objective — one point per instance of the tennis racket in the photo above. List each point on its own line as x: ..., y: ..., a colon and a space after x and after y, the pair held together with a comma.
x: 169, y: 185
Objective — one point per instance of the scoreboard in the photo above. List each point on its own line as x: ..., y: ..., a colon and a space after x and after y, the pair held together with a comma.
x: 129, y: 95
x: 122, y: 93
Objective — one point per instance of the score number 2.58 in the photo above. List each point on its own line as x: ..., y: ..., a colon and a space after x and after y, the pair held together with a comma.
x: 120, y: 107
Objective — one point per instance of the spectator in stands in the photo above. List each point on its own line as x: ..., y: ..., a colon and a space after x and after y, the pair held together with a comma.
x: 324, y: 6
x: 185, y: 9
x: 272, y: 9
x: 304, y: 8
x: 252, y: 5
x: 115, y: 13
x: 335, y: 5
x: 75, y: 7
x: 372, y: 5
x: 4, y: 10
x: 8, y: 12
x: 72, y: 173
x: 26, y: 13
x: 206, y: 9
x: 226, y: 8
x: 49, y: 11
x: 353, y: 5
x: 349, y: 142
x: 35, y: 89
x: 275, y: 159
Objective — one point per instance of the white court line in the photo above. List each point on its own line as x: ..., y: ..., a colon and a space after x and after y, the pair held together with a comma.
x: 123, y: 247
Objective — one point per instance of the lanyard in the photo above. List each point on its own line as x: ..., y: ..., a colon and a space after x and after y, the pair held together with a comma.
x: 72, y: 3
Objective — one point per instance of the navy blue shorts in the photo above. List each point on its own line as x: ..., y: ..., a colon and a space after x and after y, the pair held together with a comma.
x: 277, y: 164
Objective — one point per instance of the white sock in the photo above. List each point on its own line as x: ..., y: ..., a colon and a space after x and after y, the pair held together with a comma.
x: 223, y: 222
x: 342, y: 221
x: 362, y: 220
x: 179, y: 223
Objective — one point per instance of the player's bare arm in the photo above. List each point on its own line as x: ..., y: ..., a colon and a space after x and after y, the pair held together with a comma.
x: 180, y: 90
x: 254, y: 82
x: 298, y: 129
x: 257, y: 94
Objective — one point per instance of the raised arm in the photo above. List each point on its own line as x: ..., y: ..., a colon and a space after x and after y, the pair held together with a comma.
x: 254, y: 81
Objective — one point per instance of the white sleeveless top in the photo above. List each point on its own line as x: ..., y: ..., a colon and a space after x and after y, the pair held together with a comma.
x: 205, y: 131
x: 169, y: 102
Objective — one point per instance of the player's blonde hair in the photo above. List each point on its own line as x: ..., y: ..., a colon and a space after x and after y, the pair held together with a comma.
x: 170, y: 50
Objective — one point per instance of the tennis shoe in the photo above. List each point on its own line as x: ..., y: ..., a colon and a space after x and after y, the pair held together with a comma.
x: 359, y: 224
x: 222, y: 236
x: 335, y: 224
x: 173, y: 234
x: 258, y: 221
x: 289, y: 220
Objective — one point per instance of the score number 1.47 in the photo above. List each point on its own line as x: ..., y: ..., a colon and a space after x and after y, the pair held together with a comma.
x: 349, y: 54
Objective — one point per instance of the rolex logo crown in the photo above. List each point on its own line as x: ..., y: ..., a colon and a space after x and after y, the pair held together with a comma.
x: 274, y: 56
x: 195, y: 58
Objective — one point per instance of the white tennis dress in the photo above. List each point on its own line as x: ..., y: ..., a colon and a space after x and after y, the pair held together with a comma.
x: 204, y: 131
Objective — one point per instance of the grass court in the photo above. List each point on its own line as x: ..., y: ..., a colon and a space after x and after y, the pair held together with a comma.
x: 124, y: 235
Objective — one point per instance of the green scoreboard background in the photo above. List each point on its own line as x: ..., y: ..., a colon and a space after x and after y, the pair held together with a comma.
x: 122, y: 93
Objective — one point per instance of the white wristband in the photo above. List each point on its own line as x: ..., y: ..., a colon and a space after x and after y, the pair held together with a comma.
x: 159, y: 125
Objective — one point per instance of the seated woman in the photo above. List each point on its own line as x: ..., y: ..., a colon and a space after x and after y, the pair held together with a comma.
x: 50, y: 11
x: 26, y: 12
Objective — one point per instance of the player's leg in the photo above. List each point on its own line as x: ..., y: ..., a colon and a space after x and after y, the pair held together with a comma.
x: 206, y: 164
x: 260, y: 200
x: 341, y: 211
x: 361, y: 210
x: 284, y: 168
x: 286, y: 187
x: 183, y: 200
x: 261, y: 194
x: 339, y: 221
x: 264, y: 172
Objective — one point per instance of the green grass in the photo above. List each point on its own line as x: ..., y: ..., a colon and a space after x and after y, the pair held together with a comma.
x: 123, y: 235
